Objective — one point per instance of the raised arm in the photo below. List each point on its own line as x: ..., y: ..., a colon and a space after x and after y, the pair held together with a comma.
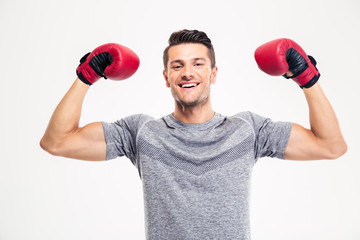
x: 324, y: 139
x: 63, y: 136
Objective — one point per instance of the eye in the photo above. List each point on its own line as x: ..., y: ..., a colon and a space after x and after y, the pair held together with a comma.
x: 176, y: 66
x: 199, y: 64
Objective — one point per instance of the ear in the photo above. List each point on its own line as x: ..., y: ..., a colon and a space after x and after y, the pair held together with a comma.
x: 166, y: 78
x: 214, y: 74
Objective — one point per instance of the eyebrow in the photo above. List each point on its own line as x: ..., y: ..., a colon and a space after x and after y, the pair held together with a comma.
x: 175, y: 61
x: 194, y: 59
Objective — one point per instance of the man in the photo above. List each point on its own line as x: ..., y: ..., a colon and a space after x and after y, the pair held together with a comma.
x: 195, y: 164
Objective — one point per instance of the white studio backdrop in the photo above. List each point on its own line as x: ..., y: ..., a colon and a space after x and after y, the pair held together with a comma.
x: 47, y: 197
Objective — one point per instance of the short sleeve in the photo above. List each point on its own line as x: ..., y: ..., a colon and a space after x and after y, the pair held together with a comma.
x: 120, y: 136
x: 271, y: 137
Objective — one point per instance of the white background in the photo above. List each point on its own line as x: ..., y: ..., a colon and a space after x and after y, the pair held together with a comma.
x: 47, y: 197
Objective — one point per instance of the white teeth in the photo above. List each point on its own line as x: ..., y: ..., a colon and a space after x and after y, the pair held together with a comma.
x: 188, y: 85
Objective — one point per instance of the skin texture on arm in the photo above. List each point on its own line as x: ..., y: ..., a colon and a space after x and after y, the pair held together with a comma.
x: 324, y: 140
x: 64, y: 137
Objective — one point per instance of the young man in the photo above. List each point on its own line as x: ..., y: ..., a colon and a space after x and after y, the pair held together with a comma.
x: 195, y: 164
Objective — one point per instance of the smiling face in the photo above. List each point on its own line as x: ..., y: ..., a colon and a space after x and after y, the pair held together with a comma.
x: 189, y: 74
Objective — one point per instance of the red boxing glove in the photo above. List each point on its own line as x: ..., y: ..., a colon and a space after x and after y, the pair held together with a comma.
x: 279, y: 56
x: 110, y: 60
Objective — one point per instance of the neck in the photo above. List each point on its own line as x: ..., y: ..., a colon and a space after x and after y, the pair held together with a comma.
x: 193, y: 114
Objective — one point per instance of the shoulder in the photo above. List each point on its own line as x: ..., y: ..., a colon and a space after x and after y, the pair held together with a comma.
x: 250, y: 118
x: 138, y: 118
x: 131, y: 123
x: 248, y: 115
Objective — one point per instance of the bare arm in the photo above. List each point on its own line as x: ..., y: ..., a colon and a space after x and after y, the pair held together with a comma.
x: 64, y: 137
x: 324, y: 140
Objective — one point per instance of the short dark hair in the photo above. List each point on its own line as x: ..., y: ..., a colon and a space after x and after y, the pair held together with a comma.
x: 189, y: 36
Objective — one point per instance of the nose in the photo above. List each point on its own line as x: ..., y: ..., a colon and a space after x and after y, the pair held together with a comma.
x: 187, y: 73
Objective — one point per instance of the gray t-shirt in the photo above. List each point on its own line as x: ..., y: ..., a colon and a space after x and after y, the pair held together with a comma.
x: 196, y: 177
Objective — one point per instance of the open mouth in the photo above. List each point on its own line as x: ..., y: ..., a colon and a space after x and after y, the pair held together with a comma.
x: 188, y: 85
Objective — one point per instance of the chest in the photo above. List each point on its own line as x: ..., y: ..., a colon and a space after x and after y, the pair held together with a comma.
x: 196, y: 152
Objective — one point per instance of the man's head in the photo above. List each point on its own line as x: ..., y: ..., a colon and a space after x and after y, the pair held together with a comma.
x: 190, y: 69
x: 189, y: 36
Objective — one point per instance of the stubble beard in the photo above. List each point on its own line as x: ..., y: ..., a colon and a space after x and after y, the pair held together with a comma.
x: 197, y: 102
x: 201, y: 100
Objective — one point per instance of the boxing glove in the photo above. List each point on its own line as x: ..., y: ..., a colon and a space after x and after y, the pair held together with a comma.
x: 110, y: 60
x: 279, y: 56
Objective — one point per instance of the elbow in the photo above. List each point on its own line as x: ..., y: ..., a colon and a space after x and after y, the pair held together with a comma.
x: 337, y: 150
x: 49, y: 147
